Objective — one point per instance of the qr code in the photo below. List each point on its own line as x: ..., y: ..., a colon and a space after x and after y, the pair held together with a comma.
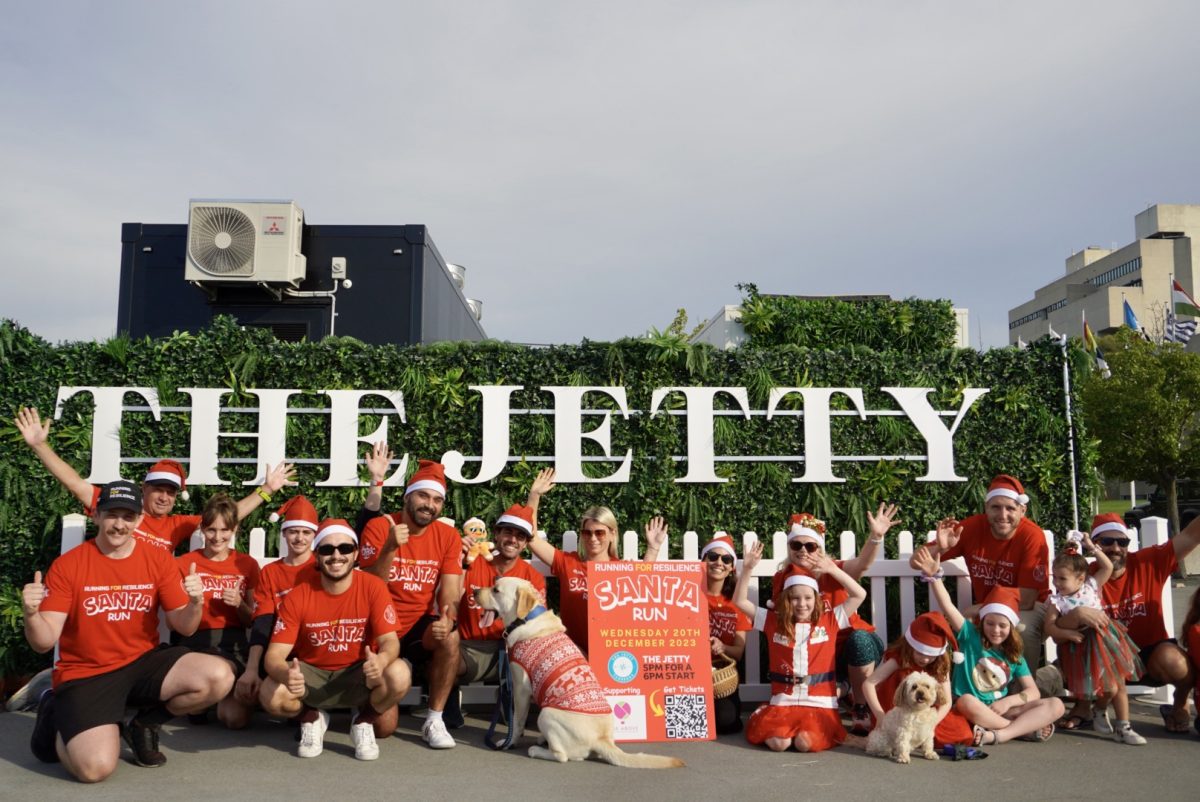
x: 687, y: 716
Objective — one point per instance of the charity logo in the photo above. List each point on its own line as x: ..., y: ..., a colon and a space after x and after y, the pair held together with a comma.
x: 622, y: 667
x: 622, y: 710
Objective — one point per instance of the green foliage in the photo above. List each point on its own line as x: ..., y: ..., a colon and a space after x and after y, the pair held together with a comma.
x: 1017, y: 428
x: 915, y: 326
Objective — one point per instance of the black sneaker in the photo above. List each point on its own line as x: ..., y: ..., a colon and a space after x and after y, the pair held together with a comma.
x: 143, y: 740
x: 42, y: 740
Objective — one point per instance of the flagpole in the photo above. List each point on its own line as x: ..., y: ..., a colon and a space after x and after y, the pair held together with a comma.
x: 1070, y: 433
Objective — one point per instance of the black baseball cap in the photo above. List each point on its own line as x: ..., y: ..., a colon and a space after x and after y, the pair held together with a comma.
x: 120, y: 495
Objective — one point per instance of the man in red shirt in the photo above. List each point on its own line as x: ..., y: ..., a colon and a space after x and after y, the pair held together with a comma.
x: 480, y: 630
x: 164, y: 483
x: 100, y: 605
x: 1002, y: 548
x: 340, y: 632
x: 1133, y: 596
x: 421, y: 559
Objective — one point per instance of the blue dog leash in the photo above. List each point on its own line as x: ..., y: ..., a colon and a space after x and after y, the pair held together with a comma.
x: 504, y: 698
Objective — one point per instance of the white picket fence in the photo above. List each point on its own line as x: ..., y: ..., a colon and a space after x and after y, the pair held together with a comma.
x: 881, y: 572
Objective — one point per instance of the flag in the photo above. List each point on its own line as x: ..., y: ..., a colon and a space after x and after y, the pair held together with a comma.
x: 1130, y: 318
x: 1093, y: 348
x: 1184, y: 304
x: 1178, y: 331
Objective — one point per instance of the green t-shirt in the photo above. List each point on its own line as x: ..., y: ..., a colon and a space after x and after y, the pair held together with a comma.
x: 984, y: 673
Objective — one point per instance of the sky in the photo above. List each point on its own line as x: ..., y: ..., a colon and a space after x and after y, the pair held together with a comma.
x: 597, y: 166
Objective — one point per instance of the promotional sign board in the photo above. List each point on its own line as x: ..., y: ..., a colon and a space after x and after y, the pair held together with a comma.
x: 648, y: 644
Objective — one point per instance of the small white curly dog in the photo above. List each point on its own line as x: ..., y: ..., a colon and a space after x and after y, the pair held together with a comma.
x: 909, y: 725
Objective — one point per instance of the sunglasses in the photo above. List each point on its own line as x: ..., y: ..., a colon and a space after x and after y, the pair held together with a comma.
x: 327, y: 549
x: 712, y: 557
x: 594, y: 533
x: 806, y: 545
x: 1123, y: 542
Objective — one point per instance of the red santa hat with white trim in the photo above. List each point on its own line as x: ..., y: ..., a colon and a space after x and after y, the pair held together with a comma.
x: 333, y: 526
x: 801, y: 578
x: 517, y: 516
x: 430, y: 476
x: 1006, y: 486
x: 722, y: 542
x: 803, y: 526
x: 168, y: 472
x: 1110, y: 522
x: 1004, y: 601
x: 296, y: 511
x: 929, y: 634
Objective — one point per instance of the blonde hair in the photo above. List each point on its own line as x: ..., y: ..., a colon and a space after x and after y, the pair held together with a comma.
x: 784, y: 612
x: 603, y: 516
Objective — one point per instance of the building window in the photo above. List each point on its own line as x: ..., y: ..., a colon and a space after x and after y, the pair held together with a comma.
x: 1109, y: 276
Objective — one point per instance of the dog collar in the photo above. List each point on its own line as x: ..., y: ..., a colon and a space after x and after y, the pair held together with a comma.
x: 534, y: 613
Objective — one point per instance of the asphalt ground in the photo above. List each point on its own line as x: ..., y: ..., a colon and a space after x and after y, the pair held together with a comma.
x: 209, y: 762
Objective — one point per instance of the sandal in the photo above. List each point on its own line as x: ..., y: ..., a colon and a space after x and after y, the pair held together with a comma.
x: 1170, y: 721
x: 1073, y: 723
x: 980, y: 732
x: 1039, y: 735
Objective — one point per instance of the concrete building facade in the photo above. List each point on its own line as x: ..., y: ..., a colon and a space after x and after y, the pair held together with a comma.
x: 1098, y: 280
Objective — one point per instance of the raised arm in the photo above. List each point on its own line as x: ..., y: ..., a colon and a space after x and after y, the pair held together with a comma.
x: 930, y: 565
x: 37, y: 436
x: 543, y: 483
x: 656, y: 538
x: 884, y: 519
x: 277, y: 478
x: 378, y: 460
x: 741, y: 593
x: 1187, y: 540
x: 856, y: 594
x: 1105, y: 566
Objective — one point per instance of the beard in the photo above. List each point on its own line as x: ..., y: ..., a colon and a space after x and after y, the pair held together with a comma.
x: 333, y: 571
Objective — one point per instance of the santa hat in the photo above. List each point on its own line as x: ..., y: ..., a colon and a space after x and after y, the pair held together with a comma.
x: 1005, y: 601
x: 1110, y: 522
x: 781, y: 576
x: 721, y: 542
x: 296, y: 511
x: 803, y: 526
x: 929, y: 634
x: 1006, y: 486
x: 997, y: 668
x: 517, y: 516
x: 333, y: 526
x: 474, y: 523
x: 168, y: 472
x: 802, y: 579
x: 430, y: 475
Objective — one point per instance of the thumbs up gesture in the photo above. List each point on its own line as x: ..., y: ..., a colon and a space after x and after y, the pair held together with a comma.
x: 295, y: 679
x: 33, y: 594
x: 193, y: 585
x: 232, y: 596
x: 372, y: 669
x: 442, y: 628
x: 399, y: 534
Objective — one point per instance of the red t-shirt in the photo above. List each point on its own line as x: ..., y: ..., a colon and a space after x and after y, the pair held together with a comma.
x: 111, y: 606
x: 1136, y: 598
x: 571, y: 571
x: 483, y: 574
x: 417, y: 567
x: 331, y: 632
x: 832, y: 594
x: 164, y: 531
x: 236, y: 571
x: 276, y: 580
x: 1022, y: 561
x: 725, y: 619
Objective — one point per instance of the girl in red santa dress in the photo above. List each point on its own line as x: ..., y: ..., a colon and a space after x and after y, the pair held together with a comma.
x: 802, y: 640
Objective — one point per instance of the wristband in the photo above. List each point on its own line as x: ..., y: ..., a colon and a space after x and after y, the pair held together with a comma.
x: 377, y: 483
x: 875, y: 540
x: 264, y: 495
x: 941, y: 574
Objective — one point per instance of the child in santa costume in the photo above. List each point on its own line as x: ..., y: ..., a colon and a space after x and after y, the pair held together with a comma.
x: 802, y: 639
x: 928, y: 645
x: 1095, y: 664
x: 991, y: 646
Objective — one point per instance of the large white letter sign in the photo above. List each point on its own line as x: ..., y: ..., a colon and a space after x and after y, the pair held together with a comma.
x: 569, y: 434
x: 818, y: 449
x: 206, y: 432
x: 344, y: 439
x: 496, y: 410
x: 106, y: 425
x: 700, y: 426
x: 939, y: 439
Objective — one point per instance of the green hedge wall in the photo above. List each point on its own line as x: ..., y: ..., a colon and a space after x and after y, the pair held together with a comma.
x: 1019, y: 427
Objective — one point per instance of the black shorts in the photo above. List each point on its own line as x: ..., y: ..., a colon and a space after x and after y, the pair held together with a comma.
x: 82, y: 704
x: 1146, y: 679
x: 410, y: 644
x: 229, y: 643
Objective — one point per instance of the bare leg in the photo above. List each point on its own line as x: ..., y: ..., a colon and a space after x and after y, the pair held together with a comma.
x: 195, y: 682
x: 778, y: 744
x: 91, y: 756
x: 443, y: 667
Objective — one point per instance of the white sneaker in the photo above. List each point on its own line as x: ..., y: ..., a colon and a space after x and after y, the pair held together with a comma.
x: 1100, y: 722
x: 435, y: 734
x: 312, y: 736
x: 1126, y: 735
x: 363, y: 736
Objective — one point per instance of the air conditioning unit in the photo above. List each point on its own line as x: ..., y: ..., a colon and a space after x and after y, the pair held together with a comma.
x: 231, y: 242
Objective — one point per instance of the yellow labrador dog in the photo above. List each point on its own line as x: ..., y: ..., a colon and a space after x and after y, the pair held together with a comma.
x: 576, y: 720
x: 909, y: 725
